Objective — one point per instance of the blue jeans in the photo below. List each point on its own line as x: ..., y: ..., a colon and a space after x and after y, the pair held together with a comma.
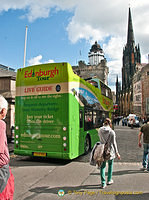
x: 145, y: 162
x: 102, y: 171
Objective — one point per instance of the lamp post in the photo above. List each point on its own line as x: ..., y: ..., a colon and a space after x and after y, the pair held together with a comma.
x: 25, y: 45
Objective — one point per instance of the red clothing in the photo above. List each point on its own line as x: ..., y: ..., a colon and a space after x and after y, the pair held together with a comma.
x: 4, y: 152
x: 7, y: 193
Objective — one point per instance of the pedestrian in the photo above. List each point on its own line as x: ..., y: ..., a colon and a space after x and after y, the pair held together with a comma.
x: 106, y: 134
x: 131, y: 122
x: 6, y: 177
x: 145, y: 131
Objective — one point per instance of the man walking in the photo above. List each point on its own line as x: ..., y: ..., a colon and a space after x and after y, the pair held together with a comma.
x: 145, y: 131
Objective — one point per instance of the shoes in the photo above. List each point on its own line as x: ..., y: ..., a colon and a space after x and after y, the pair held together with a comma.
x: 103, y: 186
x: 144, y: 169
x: 110, y: 182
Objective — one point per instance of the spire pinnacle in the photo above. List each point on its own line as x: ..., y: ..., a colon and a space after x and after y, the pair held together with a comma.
x: 130, y: 35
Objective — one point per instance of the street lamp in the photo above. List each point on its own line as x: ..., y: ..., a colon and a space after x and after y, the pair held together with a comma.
x: 25, y: 45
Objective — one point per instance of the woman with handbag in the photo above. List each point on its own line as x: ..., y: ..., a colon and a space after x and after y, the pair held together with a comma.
x: 107, y: 135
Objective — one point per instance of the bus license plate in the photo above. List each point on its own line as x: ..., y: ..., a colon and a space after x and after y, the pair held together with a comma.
x: 39, y: 154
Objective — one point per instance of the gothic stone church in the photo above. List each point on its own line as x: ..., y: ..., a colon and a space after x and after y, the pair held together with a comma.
x: 131, y: 58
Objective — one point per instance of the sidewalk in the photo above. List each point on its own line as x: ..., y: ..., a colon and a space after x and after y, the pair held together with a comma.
x: 129, y: 183
x: 80, y: 181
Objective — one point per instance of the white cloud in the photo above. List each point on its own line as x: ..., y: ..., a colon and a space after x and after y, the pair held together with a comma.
x: 113, y: 50
x: 38, y: 60
x: 105, y: 21
x: 50, y: 61
x: 35, y: 61
x: 92, y: 20
x: 78, y: 31
x: 37, y: 8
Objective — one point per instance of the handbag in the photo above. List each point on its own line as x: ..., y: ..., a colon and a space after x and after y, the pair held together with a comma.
x: 107, y: 151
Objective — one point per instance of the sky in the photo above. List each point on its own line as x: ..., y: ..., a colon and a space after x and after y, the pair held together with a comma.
x: 65, y: 30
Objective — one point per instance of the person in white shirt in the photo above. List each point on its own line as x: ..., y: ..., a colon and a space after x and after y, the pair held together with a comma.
x: 106, y: 134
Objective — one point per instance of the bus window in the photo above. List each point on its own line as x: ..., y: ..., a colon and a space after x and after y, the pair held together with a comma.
x: 105, y: 90
x: 94, y: 118
x: 94, y: 83
x: 88, y: 122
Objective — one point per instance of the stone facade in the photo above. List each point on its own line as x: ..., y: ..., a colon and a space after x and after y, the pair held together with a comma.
x: 141, y: 92
x: 97, y: 69
x: 145, y: 90
x: 137, y: 92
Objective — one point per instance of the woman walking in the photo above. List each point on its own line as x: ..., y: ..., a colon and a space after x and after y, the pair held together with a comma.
x: 106, y: 134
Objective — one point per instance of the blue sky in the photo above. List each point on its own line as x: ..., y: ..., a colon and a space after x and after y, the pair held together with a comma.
x: 59, y: 30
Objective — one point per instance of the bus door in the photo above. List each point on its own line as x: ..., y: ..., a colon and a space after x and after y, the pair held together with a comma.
x: 81, y: 131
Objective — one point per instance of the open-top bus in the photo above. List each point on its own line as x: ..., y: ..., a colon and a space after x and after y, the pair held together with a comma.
x: 57, y: 114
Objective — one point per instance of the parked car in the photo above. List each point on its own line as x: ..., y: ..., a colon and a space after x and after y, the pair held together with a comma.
x: 136, y: 122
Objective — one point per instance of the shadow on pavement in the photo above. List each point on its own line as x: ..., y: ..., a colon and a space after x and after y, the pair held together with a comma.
x: 77, y: 190
x: 36, y: 161
x: 124, y: 172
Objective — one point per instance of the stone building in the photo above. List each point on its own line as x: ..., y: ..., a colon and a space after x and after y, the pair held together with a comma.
x: 131, y: 58
x: 145, y: 90
x: 7, y: 89
x: 141, y: 91
x: 97, y: 66
x: 137, y: 91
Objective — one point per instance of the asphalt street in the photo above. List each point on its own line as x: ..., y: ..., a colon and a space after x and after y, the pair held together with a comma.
x: 48, y: 179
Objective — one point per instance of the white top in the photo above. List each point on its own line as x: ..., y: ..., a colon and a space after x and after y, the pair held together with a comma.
x: 103, y: 134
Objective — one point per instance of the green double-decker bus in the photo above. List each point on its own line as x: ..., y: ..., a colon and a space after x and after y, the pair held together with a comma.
x: 57, y: 114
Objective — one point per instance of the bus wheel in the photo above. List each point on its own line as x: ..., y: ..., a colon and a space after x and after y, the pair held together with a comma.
x: 87, y: 145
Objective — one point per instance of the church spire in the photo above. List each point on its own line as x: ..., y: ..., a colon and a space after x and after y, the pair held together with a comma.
x: 130, y: 34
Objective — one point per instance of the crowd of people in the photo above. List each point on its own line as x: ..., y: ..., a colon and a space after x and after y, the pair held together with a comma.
x: 129, y: 121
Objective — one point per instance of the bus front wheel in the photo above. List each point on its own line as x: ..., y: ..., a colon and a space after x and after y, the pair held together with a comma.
x: 87, y: 144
